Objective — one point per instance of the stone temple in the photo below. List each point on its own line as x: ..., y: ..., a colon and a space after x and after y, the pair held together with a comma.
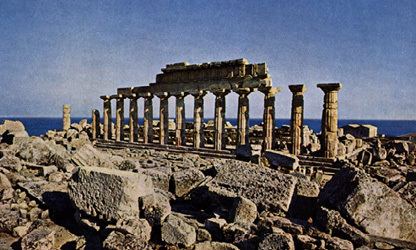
x: 219, y: 78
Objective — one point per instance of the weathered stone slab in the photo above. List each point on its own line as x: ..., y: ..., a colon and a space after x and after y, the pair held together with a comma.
x: 280, y: 159
x: 267, y: 188
x: 185, y: 180
x: 109, y: 193
x: 176, y: 231
x: 370, y: 204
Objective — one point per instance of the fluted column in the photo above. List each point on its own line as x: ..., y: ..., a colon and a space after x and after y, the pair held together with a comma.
x: 107, y: 117
x: 180, y: 119
x: 269, y: 116
x: 133, y: 117
x: 148, y: 119
x: 296, y: 118
x: 120, y: 118
x: 243, y: 117
x: 95, y: 124
x: 198, y: 119
x: 329, y: 125
x: 164, y: 118
x: 219, y: 134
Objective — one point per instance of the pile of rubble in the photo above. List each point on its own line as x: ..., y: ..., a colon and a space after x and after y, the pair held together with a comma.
x: 58, y: 195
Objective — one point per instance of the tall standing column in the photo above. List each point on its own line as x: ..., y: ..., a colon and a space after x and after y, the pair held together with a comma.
x: 164, y: 118
x: 219, y: 134
x: 148, y: 119
x: 329, y: 125
x: 133, y: 117
x: 296, y: 118
x: 269, y: 116
x: 107, y: 117
x: 243, y: 117
x: 66, y: 117
x: 180, y: 119
x: 198, y: 119
x: 120, y: 118
x: 95, y: 124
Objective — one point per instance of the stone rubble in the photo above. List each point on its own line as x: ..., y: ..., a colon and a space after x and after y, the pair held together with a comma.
x: 56, y: 196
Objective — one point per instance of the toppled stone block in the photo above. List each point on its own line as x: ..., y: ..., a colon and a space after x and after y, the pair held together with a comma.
x: 39, y: 239
x: 332, y: 220
x: 243, y: 211
x: 370, y: 204
x: 213, y: 245
x: 279, y: 159
x: 160, y: 179
x: 176, y: 231
x: 87, y: 155
x: 277, y: 241
x: 186, y: 180
x: 155, y: 208
x: 10, y: 130
x: 267, y: 188
x: 306, y: 195
x: 108, y: 193
x: 137, y: 227
x: 117, y: 240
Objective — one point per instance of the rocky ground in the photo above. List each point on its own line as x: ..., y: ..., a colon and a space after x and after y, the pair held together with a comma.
x: 61, y: 192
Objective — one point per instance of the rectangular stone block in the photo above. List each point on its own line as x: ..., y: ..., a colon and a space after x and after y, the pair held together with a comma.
x: 109, y: 193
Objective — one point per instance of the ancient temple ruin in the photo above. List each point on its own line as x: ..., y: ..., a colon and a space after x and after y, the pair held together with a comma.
x: 219, y: 78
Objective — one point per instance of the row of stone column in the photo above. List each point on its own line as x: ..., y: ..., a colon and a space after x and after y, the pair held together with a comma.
x: 329, y: 122
x: 329, y: 126
x: 198, y: 133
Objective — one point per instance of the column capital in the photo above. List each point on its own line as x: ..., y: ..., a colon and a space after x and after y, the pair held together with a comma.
x: 270, y: 91
x: 147, y: 95
x: 329, y: 87
x: 221, y: 92
x: 298, y: 88
x: 199, y: 93
x: 105, y: 97
x: 243, y: 91
x: 133, y: 97
x: 120, y: 97
x: 180, y: 94
x: 162, y: 95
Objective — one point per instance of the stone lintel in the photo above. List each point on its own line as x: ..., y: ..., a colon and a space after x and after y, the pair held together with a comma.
x: 327, y: 87
x: 297, y: 88
x: 243, y: 91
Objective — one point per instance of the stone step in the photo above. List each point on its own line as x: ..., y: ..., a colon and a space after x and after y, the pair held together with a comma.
x: 171, y: 148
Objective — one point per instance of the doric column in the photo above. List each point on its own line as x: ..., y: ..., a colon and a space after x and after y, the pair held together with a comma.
x: 107, y: 117
x: 296, y: 118
x: 120, y: 118
x: 268, y: 116
x: 329, y: 125
x: 198, y: 119
x: 219, y: 134
x: 66, y: 117
x: 133, y: 117
x: 243, y: 117
x: 148, y: 119
x: 180, y: 119
x: 95, y: 124
x: 164, y: 118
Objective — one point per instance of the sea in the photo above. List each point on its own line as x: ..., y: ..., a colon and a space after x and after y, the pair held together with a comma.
x: 40, y: 125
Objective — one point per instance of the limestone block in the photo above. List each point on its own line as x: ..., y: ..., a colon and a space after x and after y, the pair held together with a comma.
x: 176, y: 231
x: 281, y: 159
x: 135, y: 226
x: 185, y: 180
x: 243, y: 211
x: 117, y: 240
x: 370, y: 204
x: 39, y: 239
x: 155, y: 208
x: 213, y: 245
x: 277, y: 241
x: 108, y: 193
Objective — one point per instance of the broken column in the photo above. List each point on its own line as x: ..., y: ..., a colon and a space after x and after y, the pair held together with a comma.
x: 198, y: 119
x: 66, y: 118
x: 133, y: 116
x: 107, y: 117
x: 219, y: 137
x: 95, y: 124
x: 329, y: 124
x: 180, y: 119
x: 243, y: 116
x: 120, y: 118
x: 148, y: 118
x: 296, y: 121
x: 269, y: 116
x: 164, y: 118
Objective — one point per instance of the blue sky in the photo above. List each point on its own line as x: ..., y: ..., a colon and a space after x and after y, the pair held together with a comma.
x: 56, y: 52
